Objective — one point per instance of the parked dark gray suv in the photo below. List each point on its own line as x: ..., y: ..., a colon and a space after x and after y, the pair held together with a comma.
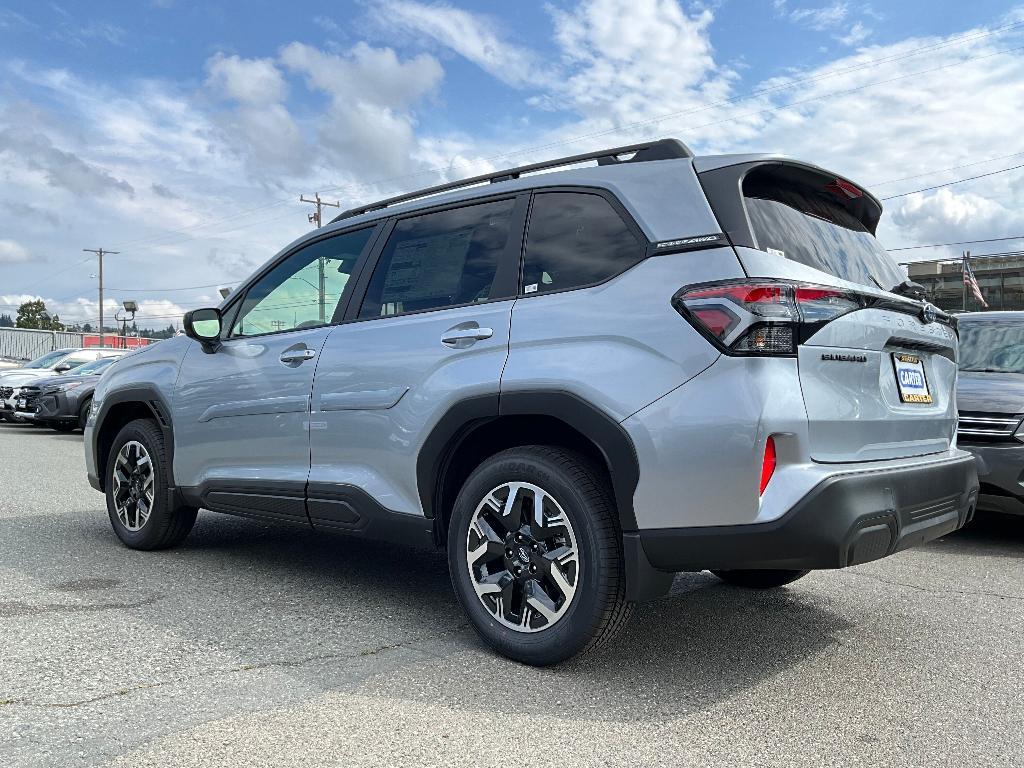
x: 990, y: 398
x: 578, y: 382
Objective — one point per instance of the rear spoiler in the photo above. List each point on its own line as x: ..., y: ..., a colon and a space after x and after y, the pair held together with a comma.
x: 724, y: 187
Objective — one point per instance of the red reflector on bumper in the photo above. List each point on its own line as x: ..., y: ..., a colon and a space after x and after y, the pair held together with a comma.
x: 768, y: 464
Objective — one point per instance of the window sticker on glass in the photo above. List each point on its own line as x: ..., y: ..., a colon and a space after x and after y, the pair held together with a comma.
x: 427, y: 266
x: 776, y: 252
x: 531, y: 288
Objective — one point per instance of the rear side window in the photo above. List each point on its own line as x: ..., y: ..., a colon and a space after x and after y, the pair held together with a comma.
x: 439, y: 260
x: 818, y: 222
x: 575, y: 239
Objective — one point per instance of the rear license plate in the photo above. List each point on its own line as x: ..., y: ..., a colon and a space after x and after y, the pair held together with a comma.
x: 910, y: 378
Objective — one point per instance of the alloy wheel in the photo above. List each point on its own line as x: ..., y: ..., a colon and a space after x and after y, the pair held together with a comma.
x: 522, y: 557
x: 133, y: 479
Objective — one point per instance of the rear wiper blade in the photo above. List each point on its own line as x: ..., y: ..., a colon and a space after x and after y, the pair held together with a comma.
x: 985, y: 370
x: 911, y: 289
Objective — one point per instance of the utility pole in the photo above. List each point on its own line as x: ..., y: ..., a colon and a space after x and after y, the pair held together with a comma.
x: 315, y: 218
x: 101, y: 253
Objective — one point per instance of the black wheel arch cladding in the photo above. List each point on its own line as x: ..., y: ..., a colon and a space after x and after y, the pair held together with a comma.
x: 463, y: 418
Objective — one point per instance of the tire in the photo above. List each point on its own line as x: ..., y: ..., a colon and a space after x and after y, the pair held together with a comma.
x: 83, y: 413
x: 164, y: 526
x: 540, y: 626
x: 760, y: 579
x: 63, y: 426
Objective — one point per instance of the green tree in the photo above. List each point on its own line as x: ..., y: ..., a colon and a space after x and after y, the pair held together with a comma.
x: 33, y: 314
x: 6, y: 321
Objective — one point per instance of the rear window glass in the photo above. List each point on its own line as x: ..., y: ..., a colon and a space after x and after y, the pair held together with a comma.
x: 575, y: 239
x: 991, y: 347
x: 810, y: 226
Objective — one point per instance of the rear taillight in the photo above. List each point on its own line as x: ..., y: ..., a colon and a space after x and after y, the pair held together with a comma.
x: 767, y: 463
x: 762, y: 317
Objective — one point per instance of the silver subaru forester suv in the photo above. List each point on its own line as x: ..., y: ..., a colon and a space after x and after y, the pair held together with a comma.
x: 578, y: 377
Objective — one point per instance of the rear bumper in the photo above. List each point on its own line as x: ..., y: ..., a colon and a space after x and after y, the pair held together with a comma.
x: 1001, y: 474
x: 847, y: 519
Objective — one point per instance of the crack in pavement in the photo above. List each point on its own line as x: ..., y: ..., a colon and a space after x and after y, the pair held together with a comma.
x: 284, y: 663
x: 14, y: 608
x: 935, y: 591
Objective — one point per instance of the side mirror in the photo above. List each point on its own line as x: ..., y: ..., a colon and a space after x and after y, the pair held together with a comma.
x: 62, y: 368
x: 203, y: 325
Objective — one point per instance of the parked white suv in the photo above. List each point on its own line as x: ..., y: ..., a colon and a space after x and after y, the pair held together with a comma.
x: 578, y: 382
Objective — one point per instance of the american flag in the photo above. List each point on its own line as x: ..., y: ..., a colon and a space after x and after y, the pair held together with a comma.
x: 972, y: 282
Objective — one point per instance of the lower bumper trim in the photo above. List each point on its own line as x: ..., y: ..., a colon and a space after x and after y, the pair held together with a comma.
x: 846, y: 520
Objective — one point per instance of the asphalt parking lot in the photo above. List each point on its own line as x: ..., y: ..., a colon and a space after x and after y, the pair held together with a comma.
x: 266, y: 646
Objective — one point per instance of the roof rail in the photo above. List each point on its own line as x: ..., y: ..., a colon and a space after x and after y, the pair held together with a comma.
x: 662, y: 149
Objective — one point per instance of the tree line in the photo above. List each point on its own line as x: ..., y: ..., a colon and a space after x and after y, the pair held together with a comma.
x: 33, y: 314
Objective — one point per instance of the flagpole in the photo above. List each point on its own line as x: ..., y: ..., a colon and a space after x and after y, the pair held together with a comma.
x: 967, y: 255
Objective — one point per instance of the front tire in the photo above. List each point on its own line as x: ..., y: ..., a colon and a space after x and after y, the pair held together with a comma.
x: 535, y: 554
x: 83, y: 414
x: 760, y: 579
x: 136, y: 487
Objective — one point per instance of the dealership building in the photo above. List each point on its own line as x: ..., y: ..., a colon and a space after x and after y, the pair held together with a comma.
x: 1001, y: 279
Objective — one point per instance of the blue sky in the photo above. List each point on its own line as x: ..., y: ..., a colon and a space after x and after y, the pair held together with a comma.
x: 183, y: 133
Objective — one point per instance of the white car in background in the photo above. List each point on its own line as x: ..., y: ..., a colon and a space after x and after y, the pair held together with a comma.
x: 56, y: 362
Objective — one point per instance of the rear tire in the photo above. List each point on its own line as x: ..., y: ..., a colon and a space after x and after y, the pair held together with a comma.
x: 561, y: 591
x: 136, y: 487
x: 760, y: 579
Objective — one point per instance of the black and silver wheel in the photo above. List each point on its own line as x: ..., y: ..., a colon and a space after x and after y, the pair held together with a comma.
x: 137, y: 500
x: 760, y: 579
x: 535, y: 554
x: 522, y: 557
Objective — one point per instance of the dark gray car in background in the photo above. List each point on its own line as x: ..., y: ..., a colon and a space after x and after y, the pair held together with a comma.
x: 62, y: 402
x: 990, y: 399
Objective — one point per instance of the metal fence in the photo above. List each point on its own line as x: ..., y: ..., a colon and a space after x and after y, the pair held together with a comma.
x: 28, y: 344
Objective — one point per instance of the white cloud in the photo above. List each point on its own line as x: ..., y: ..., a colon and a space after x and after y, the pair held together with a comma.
x: 369, y: 126
x: 367, y: 74
x: 470, y: 35
x: 820, y: 19
x: 250, y: 81
x: 856, y: 35
x: 934, y: 216
x: 12, y: 252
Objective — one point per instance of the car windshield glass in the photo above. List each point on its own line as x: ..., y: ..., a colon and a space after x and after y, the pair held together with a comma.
x: 95, y: 367
x: 48, y: 360
x: 992, y: 347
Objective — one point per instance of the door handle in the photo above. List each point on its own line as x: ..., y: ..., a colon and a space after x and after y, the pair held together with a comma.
x: 454, y: 336
x: 297, y: 355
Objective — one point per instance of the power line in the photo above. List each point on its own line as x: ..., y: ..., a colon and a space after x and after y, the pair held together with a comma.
x: 958, y: 242
x: 957, y: 181
x: 183, y: 288
x: 944, y: 170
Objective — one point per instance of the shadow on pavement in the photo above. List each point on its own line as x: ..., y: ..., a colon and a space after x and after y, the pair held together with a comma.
x: 990, y: 535
x: 342, y: 614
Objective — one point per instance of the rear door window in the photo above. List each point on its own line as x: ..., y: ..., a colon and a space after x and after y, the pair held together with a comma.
x: 443, y: 259
x: 812, y: 224
x: 575, y: 239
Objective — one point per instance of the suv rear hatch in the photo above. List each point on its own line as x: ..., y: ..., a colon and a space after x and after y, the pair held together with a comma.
x: 877, y: 370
